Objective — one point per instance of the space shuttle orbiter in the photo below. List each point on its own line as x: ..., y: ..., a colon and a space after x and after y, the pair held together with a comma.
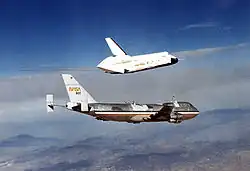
x: 121, y: 62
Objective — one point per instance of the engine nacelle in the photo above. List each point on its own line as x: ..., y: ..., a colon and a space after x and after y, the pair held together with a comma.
x: 70, y: 105
x: 138, y: 118
x: 176, y: 118
x: 175, y: 121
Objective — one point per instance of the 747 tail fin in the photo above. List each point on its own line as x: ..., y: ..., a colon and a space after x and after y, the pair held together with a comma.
x: 114, y: 47
x: 75, y: 91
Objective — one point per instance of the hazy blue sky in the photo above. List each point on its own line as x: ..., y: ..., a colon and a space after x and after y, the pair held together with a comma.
x: 71, y: 33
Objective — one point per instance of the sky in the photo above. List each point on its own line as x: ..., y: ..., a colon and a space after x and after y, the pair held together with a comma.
x: 71, y: 33
x: 23, y: 108
x: 212, y: 37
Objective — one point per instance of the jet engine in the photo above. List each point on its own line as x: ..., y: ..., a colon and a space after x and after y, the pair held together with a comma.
x: 176, y: 118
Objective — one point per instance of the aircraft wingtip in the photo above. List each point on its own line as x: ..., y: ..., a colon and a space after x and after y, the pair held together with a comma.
x: 66, y: 75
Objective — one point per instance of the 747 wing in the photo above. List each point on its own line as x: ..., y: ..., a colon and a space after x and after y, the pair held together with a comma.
x: 167, y: 112
x: 164, y: 113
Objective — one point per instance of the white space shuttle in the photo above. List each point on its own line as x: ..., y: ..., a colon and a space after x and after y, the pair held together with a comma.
x: 122, y: 63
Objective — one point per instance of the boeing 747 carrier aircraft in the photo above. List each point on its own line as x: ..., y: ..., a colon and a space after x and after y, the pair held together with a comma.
x: 81, y: 101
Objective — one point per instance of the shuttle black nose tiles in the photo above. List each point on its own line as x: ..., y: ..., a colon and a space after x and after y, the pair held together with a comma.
x: 174, y: 60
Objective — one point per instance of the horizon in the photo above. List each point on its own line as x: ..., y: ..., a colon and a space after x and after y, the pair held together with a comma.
x: 212, y: 40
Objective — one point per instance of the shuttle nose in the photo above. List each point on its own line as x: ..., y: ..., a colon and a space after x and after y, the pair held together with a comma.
x: 174, y: 60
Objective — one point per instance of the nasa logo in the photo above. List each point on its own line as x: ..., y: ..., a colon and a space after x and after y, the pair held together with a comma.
x: 75, y: 89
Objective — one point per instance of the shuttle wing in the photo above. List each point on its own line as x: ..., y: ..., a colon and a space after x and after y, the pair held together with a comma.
x: 114, y: 47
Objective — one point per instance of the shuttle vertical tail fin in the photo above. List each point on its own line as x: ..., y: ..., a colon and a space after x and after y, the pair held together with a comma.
x: 75, y: 91
x: 114, y: 47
